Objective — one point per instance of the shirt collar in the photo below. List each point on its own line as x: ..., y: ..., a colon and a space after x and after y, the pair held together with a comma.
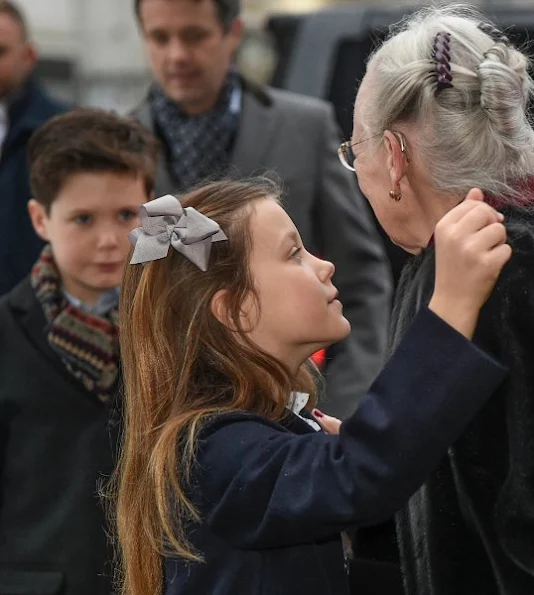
x: 297, y: 402
x: 106, y: 302
x: 4, y: 122
x: 235, y: 99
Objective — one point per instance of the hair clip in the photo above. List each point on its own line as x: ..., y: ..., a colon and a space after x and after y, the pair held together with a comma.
x: 494, y: 33
x: 442, y: 57
x: 164, y: 223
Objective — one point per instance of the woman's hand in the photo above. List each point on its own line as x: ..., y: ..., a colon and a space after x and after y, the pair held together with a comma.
x: 471, y: 251
x: 329, y: 425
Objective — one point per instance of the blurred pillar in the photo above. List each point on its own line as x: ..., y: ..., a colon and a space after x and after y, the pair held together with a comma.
x: 113, y: 72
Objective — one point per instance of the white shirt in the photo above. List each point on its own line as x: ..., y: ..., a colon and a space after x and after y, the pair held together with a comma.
x: 297, y: 402
x: 4, y: 124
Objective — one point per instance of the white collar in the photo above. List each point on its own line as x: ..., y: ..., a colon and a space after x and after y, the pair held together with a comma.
x: 297, y: 402
x: 4, y: 121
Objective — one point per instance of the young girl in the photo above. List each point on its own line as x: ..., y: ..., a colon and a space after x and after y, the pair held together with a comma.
x: 222, y: 472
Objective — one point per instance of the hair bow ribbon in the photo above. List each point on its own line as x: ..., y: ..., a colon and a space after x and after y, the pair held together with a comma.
x: 165, y: 223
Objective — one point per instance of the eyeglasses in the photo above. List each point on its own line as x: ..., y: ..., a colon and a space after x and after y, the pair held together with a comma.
x: 347, y: 157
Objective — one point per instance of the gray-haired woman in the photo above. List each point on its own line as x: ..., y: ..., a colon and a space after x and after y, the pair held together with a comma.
x: 442, y: 109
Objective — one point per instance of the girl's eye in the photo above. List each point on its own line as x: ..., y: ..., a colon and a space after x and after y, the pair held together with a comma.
x: 127, y: 215
x: 82, y: 219
x: 297, y: 254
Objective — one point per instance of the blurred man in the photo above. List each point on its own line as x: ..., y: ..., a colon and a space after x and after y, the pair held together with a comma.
x: 212, y: 122
x: 24, y: 106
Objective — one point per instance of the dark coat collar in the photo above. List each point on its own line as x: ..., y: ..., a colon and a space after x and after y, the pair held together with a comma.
x: 289, y: 423
x: 29, y: 314
x: 30, y: 318
x: 28, y: 107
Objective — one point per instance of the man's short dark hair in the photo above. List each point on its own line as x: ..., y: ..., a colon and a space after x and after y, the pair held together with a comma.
x: 88, y: 140
x: 12, y: 10
x: 227, y: 10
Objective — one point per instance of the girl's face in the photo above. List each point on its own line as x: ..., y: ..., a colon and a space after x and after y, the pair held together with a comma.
x: 299, y: 311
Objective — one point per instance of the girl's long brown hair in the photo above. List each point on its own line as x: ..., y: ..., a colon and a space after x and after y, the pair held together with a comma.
x: 181, y: 366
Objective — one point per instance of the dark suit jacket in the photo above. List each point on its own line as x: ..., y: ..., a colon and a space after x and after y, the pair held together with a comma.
x: 470, y: 529
x: 56, y: 445
x: 274, y: 497
x: 297, y: 137
x: 19, y: 244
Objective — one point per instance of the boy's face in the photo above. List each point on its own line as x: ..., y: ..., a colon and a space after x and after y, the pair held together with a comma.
x: 87, y: 228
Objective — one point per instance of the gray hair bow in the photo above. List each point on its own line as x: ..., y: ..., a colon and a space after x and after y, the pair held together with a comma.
x: 166, y: 223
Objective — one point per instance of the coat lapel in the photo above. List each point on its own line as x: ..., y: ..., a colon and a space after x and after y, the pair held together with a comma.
x: 164, y: 184
x: 256, y: 133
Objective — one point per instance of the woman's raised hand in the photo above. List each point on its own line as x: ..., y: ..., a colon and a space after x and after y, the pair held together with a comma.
x: 471, y: 251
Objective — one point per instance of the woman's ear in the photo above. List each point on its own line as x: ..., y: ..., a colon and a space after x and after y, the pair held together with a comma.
x: 39, y: 218
x: 397, y: 159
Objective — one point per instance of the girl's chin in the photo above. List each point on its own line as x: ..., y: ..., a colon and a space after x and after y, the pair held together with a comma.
x: 344, y: 332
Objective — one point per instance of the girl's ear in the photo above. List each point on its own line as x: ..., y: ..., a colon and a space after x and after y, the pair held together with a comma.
x: 220, y: 308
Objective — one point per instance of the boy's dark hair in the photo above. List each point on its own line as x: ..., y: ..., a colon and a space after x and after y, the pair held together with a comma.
x: 227, y: 11
x: 12, y: 10
x: 88, y: 140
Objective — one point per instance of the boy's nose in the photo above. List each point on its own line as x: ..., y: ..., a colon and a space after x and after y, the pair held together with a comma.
x: 108, y: 239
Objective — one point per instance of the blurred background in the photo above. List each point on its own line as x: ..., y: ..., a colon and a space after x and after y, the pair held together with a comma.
x: 91, y: 54
x: 90, y: 51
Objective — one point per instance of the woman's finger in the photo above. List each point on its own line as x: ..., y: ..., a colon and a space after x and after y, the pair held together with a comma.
x: 490, y: 236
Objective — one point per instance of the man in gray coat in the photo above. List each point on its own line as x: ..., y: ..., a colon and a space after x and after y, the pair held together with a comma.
x: 212, y: 122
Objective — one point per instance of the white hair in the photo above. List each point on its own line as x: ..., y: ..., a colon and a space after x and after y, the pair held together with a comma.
x: 477, y: 132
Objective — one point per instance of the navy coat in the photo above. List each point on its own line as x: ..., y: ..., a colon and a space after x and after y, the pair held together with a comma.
x: 274, y: 497
x: 19, y: 244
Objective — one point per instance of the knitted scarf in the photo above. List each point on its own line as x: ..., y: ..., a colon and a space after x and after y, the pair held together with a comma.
x: 199, y: 146
x: 87, y: 344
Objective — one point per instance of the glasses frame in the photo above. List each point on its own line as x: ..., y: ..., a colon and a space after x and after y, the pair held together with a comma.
x: 348, y: 145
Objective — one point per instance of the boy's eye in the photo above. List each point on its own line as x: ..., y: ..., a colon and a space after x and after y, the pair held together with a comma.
x: 127, y: 215
x: 82, y: 219
x: 297, y: 253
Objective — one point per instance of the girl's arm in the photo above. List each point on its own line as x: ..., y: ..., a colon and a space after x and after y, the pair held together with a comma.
x: 262, y: 487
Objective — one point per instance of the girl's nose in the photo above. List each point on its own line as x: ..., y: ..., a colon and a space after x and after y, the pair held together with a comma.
x: 326, y: 269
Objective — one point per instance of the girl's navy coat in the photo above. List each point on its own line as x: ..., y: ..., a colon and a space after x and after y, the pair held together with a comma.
x: 274, y: 498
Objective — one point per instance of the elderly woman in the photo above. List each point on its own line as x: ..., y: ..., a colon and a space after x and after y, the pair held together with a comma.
x: 443, y: 108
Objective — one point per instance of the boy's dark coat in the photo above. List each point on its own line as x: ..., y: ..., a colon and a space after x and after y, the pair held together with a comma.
x: 56, y: 446
x: 274, y: 498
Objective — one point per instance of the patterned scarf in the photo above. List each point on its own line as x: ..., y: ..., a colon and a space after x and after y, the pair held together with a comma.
x: 88, y: 345
x: 200, y: 145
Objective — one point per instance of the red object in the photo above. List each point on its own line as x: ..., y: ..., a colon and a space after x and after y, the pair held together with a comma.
x: 317, y: 413
x: 319, y: 358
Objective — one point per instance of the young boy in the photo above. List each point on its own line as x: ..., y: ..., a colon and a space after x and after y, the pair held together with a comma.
x: 59, y: 366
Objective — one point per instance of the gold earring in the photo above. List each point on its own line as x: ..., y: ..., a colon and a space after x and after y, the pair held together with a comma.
x: 396, y: 196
